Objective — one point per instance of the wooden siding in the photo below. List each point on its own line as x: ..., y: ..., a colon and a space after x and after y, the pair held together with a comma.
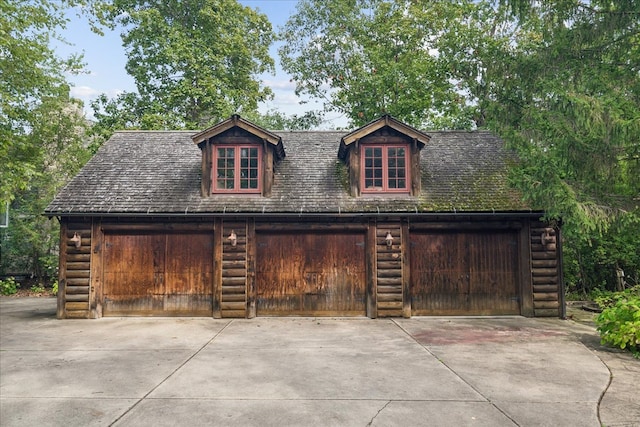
x: 389, y: 290
x: 546, y: 272
x: 308, y: 268
x: 471, y: 273
x: 157, y: 273
x: 310, y: 273
x: 233, y: 293
x: 75, y: 271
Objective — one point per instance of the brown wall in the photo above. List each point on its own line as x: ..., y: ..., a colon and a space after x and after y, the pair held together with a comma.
x: 280, y: 267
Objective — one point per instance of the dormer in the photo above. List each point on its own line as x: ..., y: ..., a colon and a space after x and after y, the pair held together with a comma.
x: 383, y: 157
x: 238, y: 157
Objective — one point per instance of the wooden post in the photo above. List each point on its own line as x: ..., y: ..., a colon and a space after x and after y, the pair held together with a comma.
x: 524, y: 267
x: 371, y: 278
x: 62, y: 270
x: 406, y: 270
x: 251, y: 268
x: 217, y: 268
x: 95, y: 287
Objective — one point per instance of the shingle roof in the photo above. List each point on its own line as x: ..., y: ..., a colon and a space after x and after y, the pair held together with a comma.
x: 159, y: 172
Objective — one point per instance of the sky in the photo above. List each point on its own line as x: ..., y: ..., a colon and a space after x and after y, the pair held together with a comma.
x: 105, y: 61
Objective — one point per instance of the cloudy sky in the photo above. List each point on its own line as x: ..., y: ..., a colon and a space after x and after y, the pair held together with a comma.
x: 105, y: 63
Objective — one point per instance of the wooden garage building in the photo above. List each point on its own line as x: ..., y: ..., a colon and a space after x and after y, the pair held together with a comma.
x: 239, y: 221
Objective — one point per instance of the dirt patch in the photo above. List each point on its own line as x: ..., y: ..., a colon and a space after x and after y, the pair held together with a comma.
x: 467, y: 334
x: 581, y: 312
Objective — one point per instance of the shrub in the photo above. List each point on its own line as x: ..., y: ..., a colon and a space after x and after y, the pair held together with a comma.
x: 37, y: 289
x: 54, y: 288
x: 9, y: 286
x: 619, y: 323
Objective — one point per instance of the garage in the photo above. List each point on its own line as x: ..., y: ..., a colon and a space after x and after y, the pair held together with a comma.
x: 464, y: 273
x: 310, y: 274
x: 157, y: 273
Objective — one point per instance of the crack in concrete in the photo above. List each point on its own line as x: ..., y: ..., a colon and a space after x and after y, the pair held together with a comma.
x: 378, y: 413
x: 170, y: 375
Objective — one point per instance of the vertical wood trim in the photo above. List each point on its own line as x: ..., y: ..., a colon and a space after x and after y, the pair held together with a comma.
x: 354, y: 170
x: 524, y: 267
x: 267, y: 168
x: 371, y: 277
x: 207, y: 166
x: 251, y: 268
x: 62, y: 270
x: 406, y: 270
x: 563, y: 306
x: 416, y: 182
x: 217, y: 268
x: 96, y: 270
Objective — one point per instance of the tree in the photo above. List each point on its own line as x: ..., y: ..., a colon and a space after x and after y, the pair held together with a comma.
x: 559, y: 80
x: 415, y: 60
x: 276, y: 120
x: 32, y: 241
x: 30, y: 72
x: 194, y: 62
x: 567, y: 98
x: 41, y: 129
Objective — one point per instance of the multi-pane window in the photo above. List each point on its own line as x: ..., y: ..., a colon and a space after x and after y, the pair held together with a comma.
x: 384, y: 168
x: 236, y: 169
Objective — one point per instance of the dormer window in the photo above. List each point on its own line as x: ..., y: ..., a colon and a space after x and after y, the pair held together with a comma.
x: 237, y: 169
x: 238, y: 157
x: 383, y: 157
x: 384, y: 168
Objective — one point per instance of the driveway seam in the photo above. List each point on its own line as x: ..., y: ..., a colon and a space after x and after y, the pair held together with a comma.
x: 171, y: 374
x: 452, y: 371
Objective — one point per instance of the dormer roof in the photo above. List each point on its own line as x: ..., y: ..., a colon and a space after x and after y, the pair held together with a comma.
x: 237, y: 121
x: 385, y: 121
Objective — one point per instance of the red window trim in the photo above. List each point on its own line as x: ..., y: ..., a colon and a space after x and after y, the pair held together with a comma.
x: 385, y: 170
x: 236, y: 190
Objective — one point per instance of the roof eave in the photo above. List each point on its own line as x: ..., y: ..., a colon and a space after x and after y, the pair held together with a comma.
x: 237, y: 121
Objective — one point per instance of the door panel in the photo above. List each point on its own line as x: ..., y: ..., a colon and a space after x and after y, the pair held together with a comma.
x: 310, y: 274
x: 464, y: 273
x: 158, y: 274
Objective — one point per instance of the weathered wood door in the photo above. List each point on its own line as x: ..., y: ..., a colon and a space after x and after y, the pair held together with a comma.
x: 148, y: 273
x: 319, y: 274
x: 464, y: 273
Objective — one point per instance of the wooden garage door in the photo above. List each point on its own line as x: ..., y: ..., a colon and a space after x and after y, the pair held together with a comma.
x: 464, y: 273
x: 311, y: 274
x: 158, y: 274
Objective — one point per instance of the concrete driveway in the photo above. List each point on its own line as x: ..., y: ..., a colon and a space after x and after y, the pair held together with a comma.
x: 507, y: 371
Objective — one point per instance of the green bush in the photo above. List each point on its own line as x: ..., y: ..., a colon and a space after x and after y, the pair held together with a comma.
x: 9, y: 286
x: 619, y: 323
x: 38, y: 289
x: 54, y: 288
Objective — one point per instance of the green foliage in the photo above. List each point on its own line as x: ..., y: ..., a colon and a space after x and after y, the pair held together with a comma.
x: 54, y: 288
x: 275, y: 120
x: 31, y: 241
x: 41, y: 129
x: 414, y: 60
x: 194, y: 62
x: 619, y: 323
x: 9, y: 286
x: 566, y: 97
x: 38, y: 289
x: 31, y: 73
